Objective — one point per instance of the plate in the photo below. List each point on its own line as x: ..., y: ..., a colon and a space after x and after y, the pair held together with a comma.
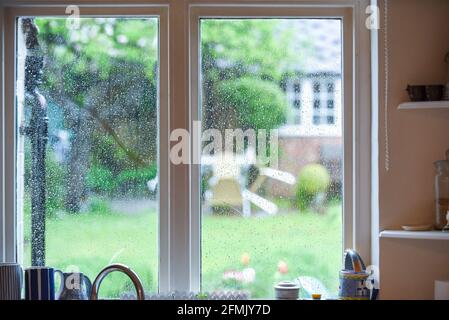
x: 421, y: 227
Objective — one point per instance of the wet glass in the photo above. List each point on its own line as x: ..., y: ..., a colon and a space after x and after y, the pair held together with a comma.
x: 272, y: 196
x: 87, y: 107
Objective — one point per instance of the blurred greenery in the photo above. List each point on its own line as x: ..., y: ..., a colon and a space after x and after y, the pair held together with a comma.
x: 103, y: 79
x: 259, y: 104
x: 313, y: 179
x: 54, y: 182
x: 257, y: 47
x: 92, y: 241
x: 100, y: 179
x: 135, y: 181
x: 242, y: 65
x: 309, y: 244
x: 99, y: 206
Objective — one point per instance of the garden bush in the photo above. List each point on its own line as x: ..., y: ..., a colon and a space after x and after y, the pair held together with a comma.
x: 54, y: 183
x: 100, y: 180
x: 99, y: 206
x: 313, y: 180
x: 134, y: 181
x: 131, y: 182
x: 259, y: 104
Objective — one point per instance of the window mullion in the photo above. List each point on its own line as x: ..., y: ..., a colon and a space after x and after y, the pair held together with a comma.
x: 164, y: 162
x: 179, y: 201
x: 9, y: 138
x: 195, y: 168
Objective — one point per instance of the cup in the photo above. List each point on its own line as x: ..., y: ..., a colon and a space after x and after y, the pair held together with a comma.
x: 11, y: 278
x: 286, y: 290
x: 441, y: 289
x: 434, y: 92
x: 416, y: 93
x: 40, y: 283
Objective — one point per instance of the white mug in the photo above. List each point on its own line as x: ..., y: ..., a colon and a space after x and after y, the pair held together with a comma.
x: 11, y: 279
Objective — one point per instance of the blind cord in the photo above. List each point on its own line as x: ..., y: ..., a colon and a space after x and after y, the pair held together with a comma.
x: 386, y: 89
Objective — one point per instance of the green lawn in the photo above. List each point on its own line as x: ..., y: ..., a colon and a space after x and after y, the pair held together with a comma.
x: 310, y: 244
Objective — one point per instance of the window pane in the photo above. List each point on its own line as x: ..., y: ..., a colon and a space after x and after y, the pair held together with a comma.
x: 273, y: 213
x: 297, y: 88
x: 297, y: 103
x: 86, y: 192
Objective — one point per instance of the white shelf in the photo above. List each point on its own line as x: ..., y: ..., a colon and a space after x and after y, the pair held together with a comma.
x: 424, y: 235
x: 424, y: 105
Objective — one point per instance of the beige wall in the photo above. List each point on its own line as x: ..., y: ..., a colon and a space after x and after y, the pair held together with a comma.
x: 418, y: 38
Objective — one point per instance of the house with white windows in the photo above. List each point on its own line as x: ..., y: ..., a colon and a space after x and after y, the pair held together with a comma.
x: 313, y: 129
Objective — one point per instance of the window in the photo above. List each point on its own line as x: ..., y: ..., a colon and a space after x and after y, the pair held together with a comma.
x: 256, y: 218
x: 236, y: 254
x: 324, y: 101
x: 297, y: 87
x: 88, y: 144
x: 292, y: 85
x: 297, y: 103
x: 167, y: 220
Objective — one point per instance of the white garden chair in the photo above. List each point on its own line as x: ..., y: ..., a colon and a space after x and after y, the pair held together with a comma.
x: 227, y: 182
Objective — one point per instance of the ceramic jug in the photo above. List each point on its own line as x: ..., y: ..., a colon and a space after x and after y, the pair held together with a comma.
x: 74, y: 286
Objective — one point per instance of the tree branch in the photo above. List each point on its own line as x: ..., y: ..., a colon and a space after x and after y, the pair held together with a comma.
x: 107, y: 127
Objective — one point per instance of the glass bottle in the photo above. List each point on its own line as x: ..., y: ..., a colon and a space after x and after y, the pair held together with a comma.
x: 441, y: 193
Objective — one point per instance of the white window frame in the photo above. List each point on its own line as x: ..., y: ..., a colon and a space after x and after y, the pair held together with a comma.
x: 10, y: 235
x: 351, y: 234
x: 179, y: 230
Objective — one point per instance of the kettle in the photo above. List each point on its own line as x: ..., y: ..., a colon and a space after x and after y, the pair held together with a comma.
x: 354, y: 278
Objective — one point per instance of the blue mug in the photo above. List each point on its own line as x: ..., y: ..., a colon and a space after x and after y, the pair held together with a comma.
x: 40, y: 283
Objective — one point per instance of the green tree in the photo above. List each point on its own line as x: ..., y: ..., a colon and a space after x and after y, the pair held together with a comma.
x: 250, y: 46
x: 243, y: 64
x: 256, y: 104
x: 103, y: 75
